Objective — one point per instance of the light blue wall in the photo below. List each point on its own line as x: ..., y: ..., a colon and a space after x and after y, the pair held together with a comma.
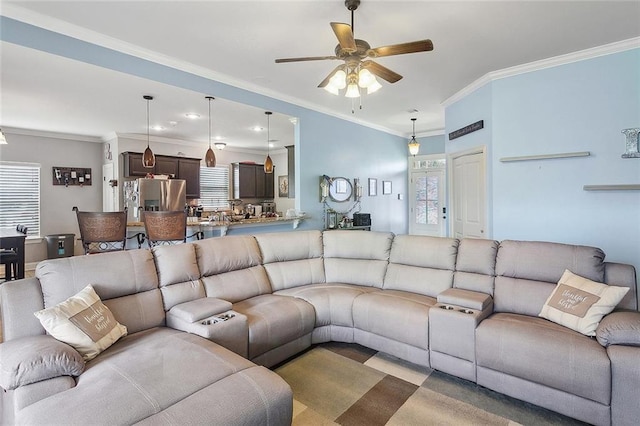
x: 580, y: 106
x: 324, y: 144
x: 432, y: 145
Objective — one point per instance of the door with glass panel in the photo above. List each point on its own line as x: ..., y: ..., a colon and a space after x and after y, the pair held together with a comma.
x: 427, y: 191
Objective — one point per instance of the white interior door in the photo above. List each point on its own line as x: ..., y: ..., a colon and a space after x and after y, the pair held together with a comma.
x: 427, y: 198
x: 469, y: 196
x: 108, y: 191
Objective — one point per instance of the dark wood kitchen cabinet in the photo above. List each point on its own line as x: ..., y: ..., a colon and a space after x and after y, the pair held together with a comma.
x: 250, y: 181
x: 179, y: 167
x: 189, y: 170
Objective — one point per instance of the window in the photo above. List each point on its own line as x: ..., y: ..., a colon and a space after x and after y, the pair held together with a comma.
x: 20, y: 196
x: 214, y: 187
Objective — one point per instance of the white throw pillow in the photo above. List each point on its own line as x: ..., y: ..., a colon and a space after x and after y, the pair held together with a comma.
x: 83, y: 322
x: 579, y: 303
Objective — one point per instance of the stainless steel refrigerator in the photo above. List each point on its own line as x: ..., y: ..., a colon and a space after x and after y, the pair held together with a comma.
x: 154, y: 195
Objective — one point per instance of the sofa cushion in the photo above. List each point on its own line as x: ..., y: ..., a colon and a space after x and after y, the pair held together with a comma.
x: 398, y: 315
x: 238, y: 285
x: 176, y: 263
x: 294, y: 273
x: 419, y: 280
x: 147, y: 373
x: 619, y: 328
x: 112, y: 275
x: 476, y: 265
x: 540, y: 351
x: 275, y: 321
x: 287, y: 246
x: 226, y: 254
x: 332, y: 302
x: 358, y: 258
x: 424, y: 252
x: 196, y: 310
x: 36, y: 358
x: 544, y: 261
x: 580, y: 304
x: 83, y: 322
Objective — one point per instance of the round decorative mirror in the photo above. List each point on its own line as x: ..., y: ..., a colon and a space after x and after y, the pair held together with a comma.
x: 340, y: 189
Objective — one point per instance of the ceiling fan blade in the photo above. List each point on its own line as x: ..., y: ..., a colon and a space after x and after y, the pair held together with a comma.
x: 306, y: 58
x: 382, y: 72
x: 345, y: 36
x: 326, y: 80
x: 401, y: 49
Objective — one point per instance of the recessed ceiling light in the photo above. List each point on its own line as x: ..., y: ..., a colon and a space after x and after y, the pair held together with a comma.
x: 192, y: 115
x: 257, y: 128
x: 157, y: 127
x: 219, y: 138
x: 271, y: 144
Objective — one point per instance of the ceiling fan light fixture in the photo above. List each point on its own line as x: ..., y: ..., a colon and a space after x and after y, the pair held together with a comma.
x: 331, y: 89
x: 365, y: 78
x: 352, y: 91
x: 339, y: 80
x: 210, y: 156
x: 414, y: 146
x: 148, y: 158
x: 220, y: 145
x: 373, y: 87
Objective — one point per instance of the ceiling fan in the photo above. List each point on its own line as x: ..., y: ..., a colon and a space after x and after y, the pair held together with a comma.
x: 358, y: 71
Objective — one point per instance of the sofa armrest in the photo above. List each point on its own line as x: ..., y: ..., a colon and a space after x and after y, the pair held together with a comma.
x: 619, y: 328
x: 466, y: 299
x: 199, y: 309
x: 32, y: 359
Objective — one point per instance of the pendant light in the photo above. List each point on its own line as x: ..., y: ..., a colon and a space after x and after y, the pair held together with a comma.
x: 414, y: 146
x: 148, y: 158
x: 268, y: 163
x: 210, y: 157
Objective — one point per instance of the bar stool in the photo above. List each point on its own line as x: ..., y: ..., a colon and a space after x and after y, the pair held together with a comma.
x: 9, y: 258
x: 167, y: 227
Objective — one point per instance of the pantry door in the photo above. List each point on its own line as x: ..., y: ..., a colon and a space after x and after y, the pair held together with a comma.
x: 468, y: 195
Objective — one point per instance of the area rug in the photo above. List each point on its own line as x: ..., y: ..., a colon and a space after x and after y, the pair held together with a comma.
x: 348, y: 384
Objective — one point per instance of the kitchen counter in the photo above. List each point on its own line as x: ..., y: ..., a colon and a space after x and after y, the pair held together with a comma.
x: 224, y: 227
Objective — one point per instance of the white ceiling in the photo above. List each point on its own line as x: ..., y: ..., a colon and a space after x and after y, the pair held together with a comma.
x: 239, y: 40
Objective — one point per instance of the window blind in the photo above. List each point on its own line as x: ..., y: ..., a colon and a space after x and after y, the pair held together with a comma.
x: 214, y: 187
x: 20, y: 196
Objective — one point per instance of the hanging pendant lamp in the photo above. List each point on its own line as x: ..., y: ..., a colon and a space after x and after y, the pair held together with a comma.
x: 268, y: 163
x: 148, y: 158
x: 210, y: 157
x: 414, y: 146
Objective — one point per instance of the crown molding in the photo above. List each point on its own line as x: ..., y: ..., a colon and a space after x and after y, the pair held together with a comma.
x: 93, y: 37
x: 581, y: 55
x: 182, y: 142
x: 48, y: 134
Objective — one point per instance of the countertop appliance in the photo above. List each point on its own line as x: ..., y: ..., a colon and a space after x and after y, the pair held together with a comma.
x: 154, y: 195
x: 268, y: 207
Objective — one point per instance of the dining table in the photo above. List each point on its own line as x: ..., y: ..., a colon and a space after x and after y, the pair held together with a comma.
x: 11, y: 239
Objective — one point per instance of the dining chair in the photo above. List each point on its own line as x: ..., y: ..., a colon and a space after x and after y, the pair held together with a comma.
x: 167, y: 227
x: 103, y: 232
x: 9, y: 258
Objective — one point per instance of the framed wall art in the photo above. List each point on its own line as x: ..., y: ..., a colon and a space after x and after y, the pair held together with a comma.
x: 373, y: 187
x: 283, y: 186
x: 386, y: 187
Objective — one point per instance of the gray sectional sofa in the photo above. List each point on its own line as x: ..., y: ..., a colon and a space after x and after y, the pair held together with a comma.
x: 465, y: 307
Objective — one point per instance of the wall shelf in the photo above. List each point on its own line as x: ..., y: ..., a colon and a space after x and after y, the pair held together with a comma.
x: 630, y: 187
x: 545, y: 156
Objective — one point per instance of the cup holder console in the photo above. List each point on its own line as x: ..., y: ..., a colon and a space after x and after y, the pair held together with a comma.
x: 452, y: 308
x: 217, y: 319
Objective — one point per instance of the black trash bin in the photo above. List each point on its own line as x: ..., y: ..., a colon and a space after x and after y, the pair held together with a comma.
x: 60, y: 245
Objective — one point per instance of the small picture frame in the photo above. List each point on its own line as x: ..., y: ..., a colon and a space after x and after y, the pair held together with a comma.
x: 386, y: 187
x: 373, y: 187
x: 283, y: 186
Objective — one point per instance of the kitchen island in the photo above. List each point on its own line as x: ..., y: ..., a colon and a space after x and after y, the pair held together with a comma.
x: 222, y: 228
